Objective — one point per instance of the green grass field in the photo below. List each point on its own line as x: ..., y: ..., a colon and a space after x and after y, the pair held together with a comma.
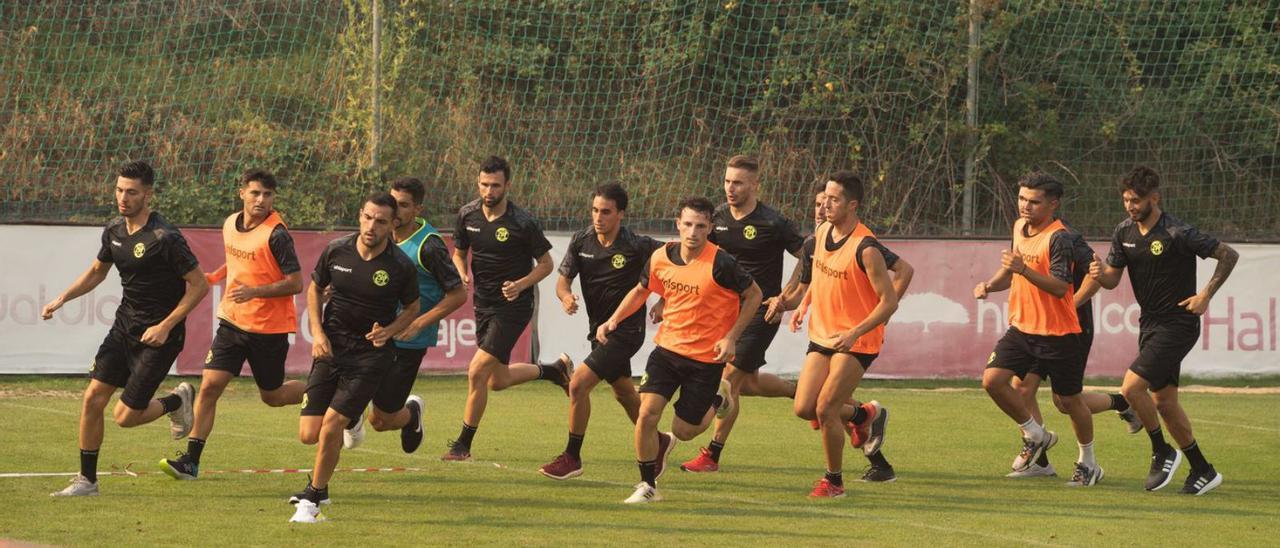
x: 950, y: 446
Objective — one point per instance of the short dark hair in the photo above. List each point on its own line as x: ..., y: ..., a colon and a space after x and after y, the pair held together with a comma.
x: 614, y: 192
x: 260, y: 176
x: 743, y: 161
x: 138, y: 170
x: 698, y: 204
x: 1142, y: 180
x: 494, y: 164
x: 384, y: 199
x: 413, y: 186
x: 1039, y: 180
x: 819, y: 187
x: 850, y: 184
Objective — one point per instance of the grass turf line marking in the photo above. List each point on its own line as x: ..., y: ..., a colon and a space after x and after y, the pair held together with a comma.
x: 131, y: 473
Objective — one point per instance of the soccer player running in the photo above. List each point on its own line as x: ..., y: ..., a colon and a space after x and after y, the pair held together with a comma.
x: 255, y: 317
x: 756, y: 235
x: 609, y: 257
x: 1160, y: 252
x: 508, y: 256
x: 373, y: 297
x: 440, y: 292
x: 1044, y: 332
x: 1027, y: 386
x: 162, y: 283
x: 851, y: 297
x: 709, y: 301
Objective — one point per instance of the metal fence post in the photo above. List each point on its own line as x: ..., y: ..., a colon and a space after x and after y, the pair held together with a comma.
x: 376, y: 132
x: 971, y: 120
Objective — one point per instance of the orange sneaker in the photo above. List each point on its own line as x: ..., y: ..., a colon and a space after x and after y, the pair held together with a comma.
x: 701, y: 463
x: 824, y: 489
x: 858, y: 433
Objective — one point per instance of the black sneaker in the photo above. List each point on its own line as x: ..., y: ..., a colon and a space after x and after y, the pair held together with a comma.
x: 323, y: 495
x: 878, y: 474
x: 1163, y: 466
x: 182, y: 468
x: 875, y: 434
x: 564, y: 372
x: 457, y: 451
x: 1199, y: 483
x: 411, y: 432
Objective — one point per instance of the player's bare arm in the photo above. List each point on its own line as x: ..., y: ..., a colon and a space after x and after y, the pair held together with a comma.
x: 460, y: 262
x: 1226, y: 257
x: 1013, y: 261
x: 511, y: 289
x: 878, y: 274
x: 902, y: 274
x: 564, y: 291
x: 999, y: 282
x: 197, y: 288
x: 1108, y: 276
x: 89, y: 279
x: 629, y: 305
x: 452, y: 300
x: 316, y: 297
x: 379, y: 335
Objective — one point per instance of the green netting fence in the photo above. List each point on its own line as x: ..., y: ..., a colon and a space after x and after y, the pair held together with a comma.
x: 339, y: 97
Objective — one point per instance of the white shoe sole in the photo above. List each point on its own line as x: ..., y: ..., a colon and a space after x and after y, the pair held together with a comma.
x: 1216, y: 481
x: 1177, y: 462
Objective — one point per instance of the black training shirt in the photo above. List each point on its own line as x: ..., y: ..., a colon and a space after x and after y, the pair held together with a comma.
x: 502, y: 250
x: 757, y: 241
x: 151, y: 263
x: 364, y: 292
x: 434, y: 256
x: 1162, y: 263
x: 608, y: 274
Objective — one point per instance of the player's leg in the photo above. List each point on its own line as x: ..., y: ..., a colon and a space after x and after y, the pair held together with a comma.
x: 1145, y: 375
x: 648, y: 450
x: 1202, y: 477
x: 1013, y: 357
x: 267, y: 357
x: 501, y: 333
x: 1062, y: 358
x: 704, y: 394
x: 1027, y: 388
x: 391, y: 409
x: 478, y: 373
x: 96, y: 397
x: 187, y: 465
x: 150, y: 367
x: 843, y: 374
x: 568, y: 464
x: 708, y: 458
x: 768, y: 385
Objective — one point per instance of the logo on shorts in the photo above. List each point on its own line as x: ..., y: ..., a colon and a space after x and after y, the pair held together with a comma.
x: 380, y: 278
x: 502, y: 234
x: 1157, y: 247
x: 139, y: 250
x: 208, y: 358
x: 304, y: 401
x: 749, y: 232
x: 619, y: 261
x: 644, y: 379
x: 991, y: 359
x: 93, y: 365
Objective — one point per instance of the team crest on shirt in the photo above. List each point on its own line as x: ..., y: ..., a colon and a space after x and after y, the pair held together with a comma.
x: 1157, y: 247
x: 380, y: 278
x: 139, y: 249
x: 749, y: 232
x: 619, y: 261
x: 502, y: 234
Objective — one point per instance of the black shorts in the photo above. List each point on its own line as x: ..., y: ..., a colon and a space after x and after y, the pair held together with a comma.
x: 697, y: 381
x: 864, y: 360
x: 123, y: 361
x: 266, y: 353
x: 346, y: 382
x: 754, y: 341
x: 1162, y: 345
x: 498, y: 330
x: 1085, y: 340
x: 1056, y: 357
x: 398, y: 382
x: 612, y: 361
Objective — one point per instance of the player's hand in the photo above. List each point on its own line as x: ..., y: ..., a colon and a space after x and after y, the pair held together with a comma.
x: 320, y: 347
x: 1012, y: 261
x: 843, y: 341
x: 797, y: 317
x: 466, y: 280
x: 410, y: 332
x: 155, y: 335
x: 570, y: 303
x: 980, y: 291
x: 774, y: 308
x: 242, y: 293
x: 602, y: 332
x: 1195, y: 304
x: 1095, y: 267
x: 378, y: 335
x: 48, y: 310
x: 511, y: 290
x: 328, y: 294
x: 725, y: 350
x: 655, y: 312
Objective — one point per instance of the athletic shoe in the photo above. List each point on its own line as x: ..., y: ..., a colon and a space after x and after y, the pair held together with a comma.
x: 1034, y: 471
x: 299, y: 497
x: 1131, y: 422
x: 1085, y: 476
x: 701, y: 463
x: 1031, y: 450
x: 879, y: 474
x: 307, y: 512
x: 457, y: 451
x: 824, y: 489
x: 1163, y: 466
x: 644, y: 494
x: 814, y: 424
x: 564, y: 372
x: 875, y: 434
x: 666, y: 442
x: 354, y: 436
x: 411, y: 432
x: 564, y: 467
x: 180, y: 419
x: 726, y: 399
x: 1199, y: 483
x: 80, y: 487
x: 180, y: 469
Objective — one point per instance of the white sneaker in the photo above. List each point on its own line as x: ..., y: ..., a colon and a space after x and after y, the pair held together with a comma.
x: 1031, y: 450
x: 726, y: 398
x: 353, y: 437
x: 645, y: 493
x: 1085, y: 476
x: 307, y: 512
x: 1034, y: 471
x: 80, y: 487
x: 180, y: 419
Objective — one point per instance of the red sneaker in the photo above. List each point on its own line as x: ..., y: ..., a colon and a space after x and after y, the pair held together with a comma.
x: 564, y: 467
x: 457, y: 452
x: 823, y: 489
x: 858, y: 433
x: 814, y: 424
x: 701, y: 463
x: 666, y: 442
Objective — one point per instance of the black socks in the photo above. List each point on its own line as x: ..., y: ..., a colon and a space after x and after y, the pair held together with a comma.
x: 649, y: 472
x: 89, y: 465
x: 1195, y: 457
x: 574, y: 447
x: 195, y: 446
x: 170, y: 402
x: 1118, y: 403
x: 464, y: 437
x: 715, y: 448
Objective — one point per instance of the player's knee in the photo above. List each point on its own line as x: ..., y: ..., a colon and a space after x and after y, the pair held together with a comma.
x: 1064, y: 403
x: 828, y: 411
x: 1166, y: 406
x: 273, y: 398
x: 684, y: 431
x: 498, y: 384
x: 309, y: 436
x: 379, y: 422
x: 805, y: 410
x: 127, y: 417
x: 1131, y: 391
x: 95, y: 402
